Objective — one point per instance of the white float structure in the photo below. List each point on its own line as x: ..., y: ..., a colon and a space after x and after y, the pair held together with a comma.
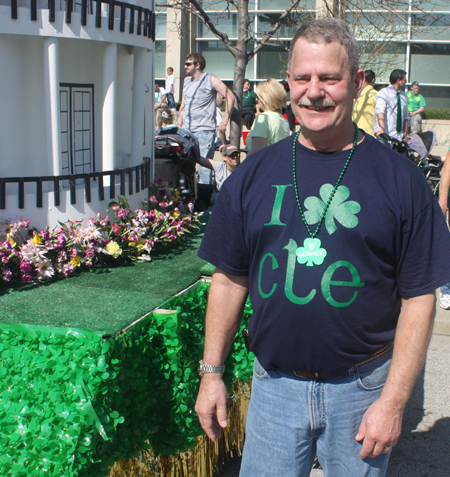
x: 76, y: 107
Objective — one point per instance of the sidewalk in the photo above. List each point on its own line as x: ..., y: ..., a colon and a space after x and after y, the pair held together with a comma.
x: 423, y: 449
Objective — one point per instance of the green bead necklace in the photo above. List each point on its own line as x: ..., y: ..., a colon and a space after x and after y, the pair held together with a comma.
x: 311, y: 252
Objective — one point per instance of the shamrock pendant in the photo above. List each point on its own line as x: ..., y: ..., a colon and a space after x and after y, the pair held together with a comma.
x: 311, y: 253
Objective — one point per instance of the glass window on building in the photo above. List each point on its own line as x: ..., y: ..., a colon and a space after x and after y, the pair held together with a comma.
x: 430, y: 63
x: 384, y: 26
x: 222, y: 5
x: 283, y: 4
x: 436, y: 96
x: 160, y: 60
x: 160, y: 26
x: 266, y: 21
x: 225, y: 22
x: 430, y: 26
x: 382, y: 59
x: 220, y: 62
x: 434, y: 5
x: 272, y: 62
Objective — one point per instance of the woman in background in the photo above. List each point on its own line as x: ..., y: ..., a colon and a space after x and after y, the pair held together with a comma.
x: 270, y: 126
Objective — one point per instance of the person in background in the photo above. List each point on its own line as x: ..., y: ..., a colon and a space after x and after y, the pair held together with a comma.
x: 170, y: 88
x: 391, y: 112
x: 249, y: 101
x: 416, y: 105
x: 222, y: 169
x: 287, y: 109
x: 364, y: 104
x: 160, y: 97
x: 270, y: 126
x: 444, y: 189
x: 198, y: 108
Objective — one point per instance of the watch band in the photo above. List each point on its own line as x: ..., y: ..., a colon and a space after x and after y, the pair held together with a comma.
x: 209, y: 369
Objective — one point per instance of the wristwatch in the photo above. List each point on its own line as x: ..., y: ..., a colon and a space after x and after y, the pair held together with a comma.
x: 208, y: 369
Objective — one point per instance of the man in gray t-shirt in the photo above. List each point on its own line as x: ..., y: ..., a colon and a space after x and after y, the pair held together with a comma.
x: 198, y: 108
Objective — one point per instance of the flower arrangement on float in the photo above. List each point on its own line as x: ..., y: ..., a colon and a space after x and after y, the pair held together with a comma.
x: 28, y: 254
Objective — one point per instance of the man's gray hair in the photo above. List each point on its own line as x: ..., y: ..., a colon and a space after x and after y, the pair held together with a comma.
x: 328, y: 30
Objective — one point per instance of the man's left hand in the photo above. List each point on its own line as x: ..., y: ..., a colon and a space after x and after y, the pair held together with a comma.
x: 380, y: 429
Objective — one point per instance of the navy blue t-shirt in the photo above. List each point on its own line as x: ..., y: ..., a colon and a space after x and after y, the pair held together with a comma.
x: 325, y: 306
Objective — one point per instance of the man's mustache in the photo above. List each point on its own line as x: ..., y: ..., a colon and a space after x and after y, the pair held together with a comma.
x: 323, y: 103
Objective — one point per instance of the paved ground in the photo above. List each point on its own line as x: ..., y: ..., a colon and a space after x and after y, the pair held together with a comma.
x: 423, y: 450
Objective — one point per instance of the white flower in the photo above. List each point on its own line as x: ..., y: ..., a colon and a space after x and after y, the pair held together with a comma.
x: 33, y: 253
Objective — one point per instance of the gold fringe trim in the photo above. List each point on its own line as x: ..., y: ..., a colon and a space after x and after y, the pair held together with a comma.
x: 207, y: 458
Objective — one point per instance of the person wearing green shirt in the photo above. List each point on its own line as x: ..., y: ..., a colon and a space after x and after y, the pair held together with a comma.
x: 249, y: 100
x: 416, y: 104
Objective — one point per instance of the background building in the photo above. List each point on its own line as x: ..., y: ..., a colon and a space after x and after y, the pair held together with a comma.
x: 419, y: 41
x: 76, y: 109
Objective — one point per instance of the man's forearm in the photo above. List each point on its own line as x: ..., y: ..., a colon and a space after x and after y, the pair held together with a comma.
x: 226, y: 300
x: 444, y: 184
x: 413, y: 334
x: 381, y: 425
x: 229, y: 106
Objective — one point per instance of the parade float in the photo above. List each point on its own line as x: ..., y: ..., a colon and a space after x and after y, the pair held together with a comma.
x: 102, y: 298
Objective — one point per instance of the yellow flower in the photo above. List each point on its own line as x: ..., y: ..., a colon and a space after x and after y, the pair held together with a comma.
x: 37, y: 239
x: 140, y: 243
x: 176, y: 195
x: 12, y: 241
x: 113, y: 249
x: 175, y: 213
x: 76, y: 261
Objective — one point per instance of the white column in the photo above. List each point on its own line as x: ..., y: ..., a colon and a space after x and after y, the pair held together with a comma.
x: 51, y: 69
x: 137, y: 120
x: 109, y: 108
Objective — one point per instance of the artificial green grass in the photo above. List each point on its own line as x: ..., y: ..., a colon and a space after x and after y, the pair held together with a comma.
x: 109, y: 299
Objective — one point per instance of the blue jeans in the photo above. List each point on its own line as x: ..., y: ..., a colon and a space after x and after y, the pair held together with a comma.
x: 445, y: 289
x: 170, y: 101
x: 206, y: 143
x: 290, y: 419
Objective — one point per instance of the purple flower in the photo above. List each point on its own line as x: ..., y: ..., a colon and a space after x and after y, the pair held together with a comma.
x: 7, y: 275
x: 25, y: 223
x: 73, y: 252
x: 27, y: 278
x: 5, y: 259
x: 26, y: 267
x: 45, y: 234
x: 89, y: 254
x: 7, y: 246
x: 88, y: 264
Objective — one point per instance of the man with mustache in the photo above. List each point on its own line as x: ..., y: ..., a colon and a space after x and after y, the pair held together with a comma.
x: 338, y: 240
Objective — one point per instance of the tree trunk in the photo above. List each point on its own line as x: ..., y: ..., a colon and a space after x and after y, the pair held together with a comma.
x: 238, y: 84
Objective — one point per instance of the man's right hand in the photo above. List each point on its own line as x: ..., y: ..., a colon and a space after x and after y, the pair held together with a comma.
x: 380, y: 131
x: 211, y: 405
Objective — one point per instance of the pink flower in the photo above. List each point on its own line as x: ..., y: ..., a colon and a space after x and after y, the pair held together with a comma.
x: 122, y: 213
x: 46, y: 234
x: 89, y: 254
x: 25, y: 223
x: 27, y: 278
x: 73, y: 252
x: 68, y: 269
x: 7, y: 245
x: 88, y: 264
x: 115, y: 207
x: 7, y: 275
x: 5, y: 259
x: 153, y: 199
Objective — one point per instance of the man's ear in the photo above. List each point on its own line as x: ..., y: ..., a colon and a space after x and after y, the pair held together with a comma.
x: 360, y: 79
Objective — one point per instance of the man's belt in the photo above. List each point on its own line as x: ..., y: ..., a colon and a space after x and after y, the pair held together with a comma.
x: 310, y: 375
